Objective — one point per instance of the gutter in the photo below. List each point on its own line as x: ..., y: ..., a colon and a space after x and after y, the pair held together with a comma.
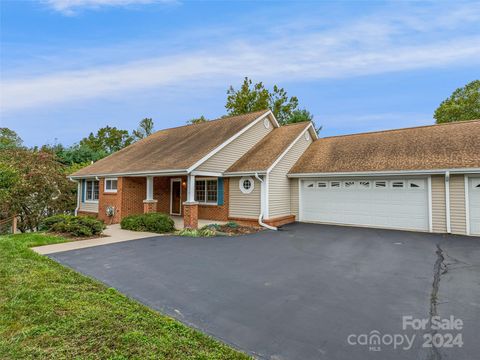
x: 386, y: 173
x: 262, y: 205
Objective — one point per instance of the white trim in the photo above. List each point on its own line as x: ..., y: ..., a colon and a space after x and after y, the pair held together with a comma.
x: 386, y: 173
x: 111, y: 191
x: 267, y: 196
x: 288, y: 148
x: 467, y: 204
x: 207, y: 173
x: 211, y: 203
x: 171, y: 195
x: 149, y: 188
x: 135, y: 173
x: 228, y: 141
x: 447, y: 202
x: 430, y: 204
x: 300, y: 213
x: 243, y: 173
x: 252, y: 185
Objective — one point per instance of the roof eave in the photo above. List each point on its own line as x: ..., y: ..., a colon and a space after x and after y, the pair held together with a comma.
x: 386, y: 173
x: 133, y: 174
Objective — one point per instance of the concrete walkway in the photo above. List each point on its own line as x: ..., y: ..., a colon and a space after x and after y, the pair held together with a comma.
x: 114, y: 235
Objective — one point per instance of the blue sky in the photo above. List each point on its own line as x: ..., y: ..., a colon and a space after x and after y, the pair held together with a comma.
x: 69, y: 67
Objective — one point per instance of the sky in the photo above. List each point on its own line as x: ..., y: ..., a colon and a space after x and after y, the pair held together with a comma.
x: 69, y: 67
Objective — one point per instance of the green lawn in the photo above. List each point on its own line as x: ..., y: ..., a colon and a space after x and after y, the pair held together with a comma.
x: 49, y: 311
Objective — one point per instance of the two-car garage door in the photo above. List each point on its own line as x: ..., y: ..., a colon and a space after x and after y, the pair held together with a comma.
x: 474, y: 199
x: 386, y: 203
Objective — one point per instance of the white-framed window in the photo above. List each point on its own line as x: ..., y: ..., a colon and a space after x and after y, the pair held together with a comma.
x: 335, y: 184
x: 416, y: 184
x: 364, y: 184
x: 380, y: 184
x: 397, y: 184
x: 307, y: 135
x: 322, y: 184
x: 246, y: 184
x: 111, y: 185
x: 309, y: 184
x: 350, y: 184
x: 206, y: 191
x: 91, y: 190
x: 266, y: 123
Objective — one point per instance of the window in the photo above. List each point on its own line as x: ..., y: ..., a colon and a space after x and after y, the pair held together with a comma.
x: 334, y: 184
x: 206, y: 191
x: 91, y: 190
x: 380, y: 184
x: 111, y: 185
x: 309, y: 184
x: 322, y: 184
x: 416, y: 184
x: 364, y: 184
x: 398, y: 184
x: 348, y: 184
x: 307, y: 136
x: 246, y: 185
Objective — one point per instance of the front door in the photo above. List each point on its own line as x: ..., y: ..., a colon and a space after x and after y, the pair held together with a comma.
x: 176, y: 197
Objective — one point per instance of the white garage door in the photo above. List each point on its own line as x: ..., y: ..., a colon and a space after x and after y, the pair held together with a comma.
x: 395, y: 204
x: 474, y: 200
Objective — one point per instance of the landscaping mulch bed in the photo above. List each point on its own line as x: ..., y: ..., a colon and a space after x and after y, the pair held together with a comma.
x: 238, y: 230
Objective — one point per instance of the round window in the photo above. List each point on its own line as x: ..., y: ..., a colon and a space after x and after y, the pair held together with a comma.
x: 246, y: 185
x: 266, y: 123
x: 307, y: 136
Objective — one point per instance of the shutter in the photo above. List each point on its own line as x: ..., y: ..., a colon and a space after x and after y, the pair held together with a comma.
x: 83, y: 190
x: 220, y: 191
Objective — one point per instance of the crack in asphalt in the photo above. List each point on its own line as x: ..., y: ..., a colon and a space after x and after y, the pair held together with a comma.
x: 439, y: 268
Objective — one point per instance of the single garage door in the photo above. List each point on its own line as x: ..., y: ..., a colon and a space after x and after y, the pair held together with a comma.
x: 474, y: 200
x: 395, y: 204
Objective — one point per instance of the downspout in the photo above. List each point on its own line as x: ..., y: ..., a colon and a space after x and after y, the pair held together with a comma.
x: 447, y: 200
x: 262, y: 205
x: 78, y: 195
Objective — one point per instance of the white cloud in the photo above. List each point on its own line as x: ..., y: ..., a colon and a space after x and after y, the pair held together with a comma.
x: 369, y: 46
x: 69, y: 7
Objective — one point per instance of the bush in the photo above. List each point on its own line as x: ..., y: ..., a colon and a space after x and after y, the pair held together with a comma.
x: 203, y: 232
x: 231, y: 225
x: 153, y: 222
x: 73, y: 225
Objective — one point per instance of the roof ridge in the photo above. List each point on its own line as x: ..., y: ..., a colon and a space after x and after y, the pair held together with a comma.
x: 298, y: 123
x: 401, y: 129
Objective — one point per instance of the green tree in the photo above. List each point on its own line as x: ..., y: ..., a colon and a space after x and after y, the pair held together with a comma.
x: 9, y: 138
x: 145, y: 128
x: 254, y: 97
x: 107, y: 139
x: 463, y: 104
x: 301, y: 116
x: 35, y: 186
x: 198, y: 120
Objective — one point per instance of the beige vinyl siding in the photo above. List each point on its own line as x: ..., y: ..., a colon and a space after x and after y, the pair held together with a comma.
x: 278, y: 182
x: 439, y: 217
x: 458, y: 217
x: 225, y: 158
x: 294, y: 198
x: 89, y: 206
x: 244, y: 205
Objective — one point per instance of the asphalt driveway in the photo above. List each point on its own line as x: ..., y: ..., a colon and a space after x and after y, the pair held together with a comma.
x: 307, y: 292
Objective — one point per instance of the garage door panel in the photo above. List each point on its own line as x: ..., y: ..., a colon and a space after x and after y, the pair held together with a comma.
x: 474, y: 200
x: 401, y: 208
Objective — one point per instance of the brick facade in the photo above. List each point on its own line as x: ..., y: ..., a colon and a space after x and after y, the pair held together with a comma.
x: 190, y: 215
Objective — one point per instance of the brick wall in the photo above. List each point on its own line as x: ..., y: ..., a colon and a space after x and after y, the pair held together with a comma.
x: 110, y: 199
x: 209, y: 212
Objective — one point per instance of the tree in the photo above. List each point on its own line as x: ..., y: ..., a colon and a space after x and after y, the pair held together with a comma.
x: 9, y: 138
x: 107, y: 139
x: 198, y: 120
x: 254, y: 97
x: 301, y: 116
x: 463, y: 104
x: 145, y: 128
x: 35, y: 186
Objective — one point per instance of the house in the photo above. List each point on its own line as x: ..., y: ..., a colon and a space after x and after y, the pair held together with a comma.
x: 249, y: 169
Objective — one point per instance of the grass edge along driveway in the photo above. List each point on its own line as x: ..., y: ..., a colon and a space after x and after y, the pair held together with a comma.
x: 49, y: 311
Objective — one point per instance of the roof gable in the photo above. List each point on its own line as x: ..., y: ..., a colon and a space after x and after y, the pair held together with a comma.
x: 174, y: 149
x: 444, y: 146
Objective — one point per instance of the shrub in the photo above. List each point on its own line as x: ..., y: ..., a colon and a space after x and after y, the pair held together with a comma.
x: 232, y: 225
x: 203, y: 232
x: 73, y: 225
x: 153, y: 222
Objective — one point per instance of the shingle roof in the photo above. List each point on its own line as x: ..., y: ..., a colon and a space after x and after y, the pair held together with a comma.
x: 267, y: 150
x: 171, y: 149
x: 444, y: 146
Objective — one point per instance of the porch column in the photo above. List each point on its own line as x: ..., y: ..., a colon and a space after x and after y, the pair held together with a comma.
x: 149, y: 204
x: 190, y: 207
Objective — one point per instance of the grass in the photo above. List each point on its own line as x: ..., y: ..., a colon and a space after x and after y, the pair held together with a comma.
x: 49, y: 311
